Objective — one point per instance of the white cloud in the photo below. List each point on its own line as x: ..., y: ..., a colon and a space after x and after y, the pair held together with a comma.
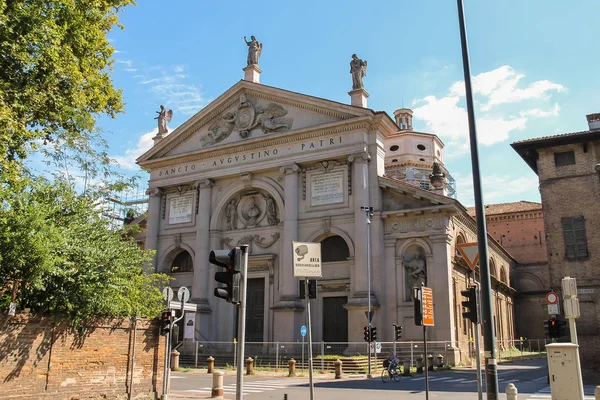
x: 145, y: 142
x: 131, y: 69
x: 445, y: 117
x: 129, y: 63
x: 498, y: 189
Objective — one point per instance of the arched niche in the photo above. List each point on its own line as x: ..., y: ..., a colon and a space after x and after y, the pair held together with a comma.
x: 171, y: 253
x: 503, y: 275
x: 493, y: 270
x: 235, y: 192
x: 183, y: 262
x: 414, y: 257
x: 460, y: 239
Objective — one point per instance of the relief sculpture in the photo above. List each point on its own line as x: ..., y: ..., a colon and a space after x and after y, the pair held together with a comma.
x: 251, y: 209
x: 245, y: 118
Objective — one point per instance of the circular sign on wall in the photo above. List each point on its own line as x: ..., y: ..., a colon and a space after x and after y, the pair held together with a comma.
x: 552, y: 298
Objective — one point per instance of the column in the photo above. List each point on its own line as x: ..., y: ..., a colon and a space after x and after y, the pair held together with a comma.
x: 153, y: 221
x: 360, y: 192
x: 288, y: 286
x: 439, y: 278
x: 288, y: 314
x: 202, y: 248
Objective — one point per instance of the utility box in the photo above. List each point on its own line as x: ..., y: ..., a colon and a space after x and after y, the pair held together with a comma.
x: 564, y: 371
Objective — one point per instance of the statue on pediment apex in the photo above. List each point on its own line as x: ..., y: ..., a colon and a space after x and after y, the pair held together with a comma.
x: 163, y: 117
x: 254, y: 50
x: 358, y: 69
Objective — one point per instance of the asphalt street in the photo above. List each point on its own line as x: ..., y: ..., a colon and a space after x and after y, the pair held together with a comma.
x: 529, y: 378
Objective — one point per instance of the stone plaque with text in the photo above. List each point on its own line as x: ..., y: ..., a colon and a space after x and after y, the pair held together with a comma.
x: 327, y: 188
x: 180, y: 210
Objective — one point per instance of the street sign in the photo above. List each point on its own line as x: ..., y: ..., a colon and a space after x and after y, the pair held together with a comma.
x: 470, y: 253
x: 183, y: 294
x: 551, y: 298
x: 427, y: 306
x: 377, y: 347
x: 167, y: 294
x: 306, y: 260
x: 553, y: 309
x: 369, y: 317
x: 303, y: 330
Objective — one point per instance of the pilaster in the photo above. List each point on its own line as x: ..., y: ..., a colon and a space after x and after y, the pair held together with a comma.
x: 153, y: 220
x: 202, y: 249
x: 439, y: 271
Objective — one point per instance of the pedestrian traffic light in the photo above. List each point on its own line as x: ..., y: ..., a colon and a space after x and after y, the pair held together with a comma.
x: 373, y: 332
x: 367, y: 337
x: 471, y: 304
x: 166, y: 319
x: 397, y: 332
x: 230, y: 260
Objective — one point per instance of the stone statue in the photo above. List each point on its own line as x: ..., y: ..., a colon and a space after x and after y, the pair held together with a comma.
x: 416, y: 271
x: 254, y: 50
x: 253, y: 213
x: 232, y: 215
x: 271, y: 210
x: 358, y: 69
x: 163, y: 117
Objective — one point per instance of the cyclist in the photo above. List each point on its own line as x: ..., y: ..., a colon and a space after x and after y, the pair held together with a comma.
x: 390, y: 362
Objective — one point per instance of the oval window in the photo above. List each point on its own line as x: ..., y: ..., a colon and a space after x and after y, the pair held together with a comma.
x: 394, y: 147
x: 395, y: 160
x: 421, y: 159
x: 421, y: 147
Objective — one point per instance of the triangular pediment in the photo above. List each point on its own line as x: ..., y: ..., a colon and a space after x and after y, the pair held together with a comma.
x: 250, y: 111
x: 402, y: 198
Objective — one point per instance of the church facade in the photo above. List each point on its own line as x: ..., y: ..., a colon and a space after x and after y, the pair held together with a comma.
x: 264, y: 166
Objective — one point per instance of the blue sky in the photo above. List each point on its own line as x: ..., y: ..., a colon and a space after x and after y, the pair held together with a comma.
x: 534, y: 65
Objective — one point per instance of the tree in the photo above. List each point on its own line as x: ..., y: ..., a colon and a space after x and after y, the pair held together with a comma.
x: 63, y: 257
x: 55, y: 61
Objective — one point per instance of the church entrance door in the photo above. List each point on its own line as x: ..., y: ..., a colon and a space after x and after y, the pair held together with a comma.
x: 335, y: 319
x: 255, y: 309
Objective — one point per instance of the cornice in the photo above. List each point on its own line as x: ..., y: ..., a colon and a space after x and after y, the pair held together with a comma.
x: 516, y: 216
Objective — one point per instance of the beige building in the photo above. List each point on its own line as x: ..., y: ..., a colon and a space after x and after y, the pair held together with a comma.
x: 265, y: 167
x: 568, y: 166
x: 519, y: 228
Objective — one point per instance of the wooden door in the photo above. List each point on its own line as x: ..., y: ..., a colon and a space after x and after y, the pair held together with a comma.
x: 255, y: 309
x: 335, y: 319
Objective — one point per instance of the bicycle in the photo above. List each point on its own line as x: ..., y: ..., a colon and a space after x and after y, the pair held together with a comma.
x: 390, y: 373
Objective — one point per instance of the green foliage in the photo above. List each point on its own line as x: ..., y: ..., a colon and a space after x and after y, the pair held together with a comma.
x: 55, y: 62
x: 64, y: 258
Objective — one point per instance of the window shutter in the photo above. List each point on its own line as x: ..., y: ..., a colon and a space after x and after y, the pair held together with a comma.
x: 580, y: 237
x: 567, y: 226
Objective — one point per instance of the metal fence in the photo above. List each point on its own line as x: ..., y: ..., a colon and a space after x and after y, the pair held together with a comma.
x: 275, y: 355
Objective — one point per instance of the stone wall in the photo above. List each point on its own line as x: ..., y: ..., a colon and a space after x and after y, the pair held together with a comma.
x: 42, y: 358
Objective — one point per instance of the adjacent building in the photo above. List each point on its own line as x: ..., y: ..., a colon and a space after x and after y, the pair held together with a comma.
x: 264, y: 166
x: 568, y: 167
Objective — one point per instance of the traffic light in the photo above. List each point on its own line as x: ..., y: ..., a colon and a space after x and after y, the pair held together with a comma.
x: 397, y: 332
x: 553, y: 329
x: 367, y: 337
x: 418, y: 311
x: 471, y: 304
x: 166, y: 318
x: 230, y: 260
x: 562, y: 327
x: 546, y: 328
x: 373, y: 337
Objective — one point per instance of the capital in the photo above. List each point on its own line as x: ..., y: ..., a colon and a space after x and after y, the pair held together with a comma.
x: 361, y: 157
x: 154, y: 192
x: 205, y: 183
x: 289, y: 169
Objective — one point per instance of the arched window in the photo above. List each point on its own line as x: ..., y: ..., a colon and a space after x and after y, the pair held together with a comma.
x: 182, y: 263
x: 459, y: 240
x: 493, y: 268
x: 503, y: 275
x: 334, y: 248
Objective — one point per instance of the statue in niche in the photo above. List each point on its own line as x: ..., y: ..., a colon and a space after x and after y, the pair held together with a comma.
x: 253, y: 213
x: 271, y: 210
x: 254, y: 50
x: 416, y: 272
x: 232, y: 214
x: 163, y: 117
x: 272, y: 119
x: 358, y: 69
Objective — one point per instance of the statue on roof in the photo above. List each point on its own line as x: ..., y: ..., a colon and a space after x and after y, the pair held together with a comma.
x: 163, y: 117
x: 254, y: 50
x: 358, y: 69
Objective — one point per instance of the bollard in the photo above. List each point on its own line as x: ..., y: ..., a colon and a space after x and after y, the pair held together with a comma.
x: 440, y: 360
x: 338, y: 368
x: 430, y: 362
x: 511, y: 392
x: 174, y: 360
x: 597, y: 393
x: 211, y: 364
x: 406, y: 368
x: 292, y: 367
x: 249, y: 366
x: 419, y: 365
x: 217, y: 387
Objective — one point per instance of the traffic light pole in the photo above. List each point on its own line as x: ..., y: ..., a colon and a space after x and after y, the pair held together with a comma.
x: 489, y: 340
x: 310, y: 358
x: 368, y: 214
x: 239, y: 395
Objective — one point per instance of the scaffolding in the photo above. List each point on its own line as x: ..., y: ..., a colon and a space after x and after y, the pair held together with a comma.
x: 420, y: 177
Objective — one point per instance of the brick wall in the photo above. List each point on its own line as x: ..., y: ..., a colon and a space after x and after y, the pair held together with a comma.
x: 42, y: 358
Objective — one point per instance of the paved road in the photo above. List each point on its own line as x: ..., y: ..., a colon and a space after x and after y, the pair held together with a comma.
x: 530, y: 379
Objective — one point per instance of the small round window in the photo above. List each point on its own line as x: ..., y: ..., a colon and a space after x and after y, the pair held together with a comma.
x: 421, y: 147
x: 394, y: 147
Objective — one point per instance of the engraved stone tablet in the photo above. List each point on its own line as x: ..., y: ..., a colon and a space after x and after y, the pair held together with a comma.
x: 327, y: 188
x: 180, y: 210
